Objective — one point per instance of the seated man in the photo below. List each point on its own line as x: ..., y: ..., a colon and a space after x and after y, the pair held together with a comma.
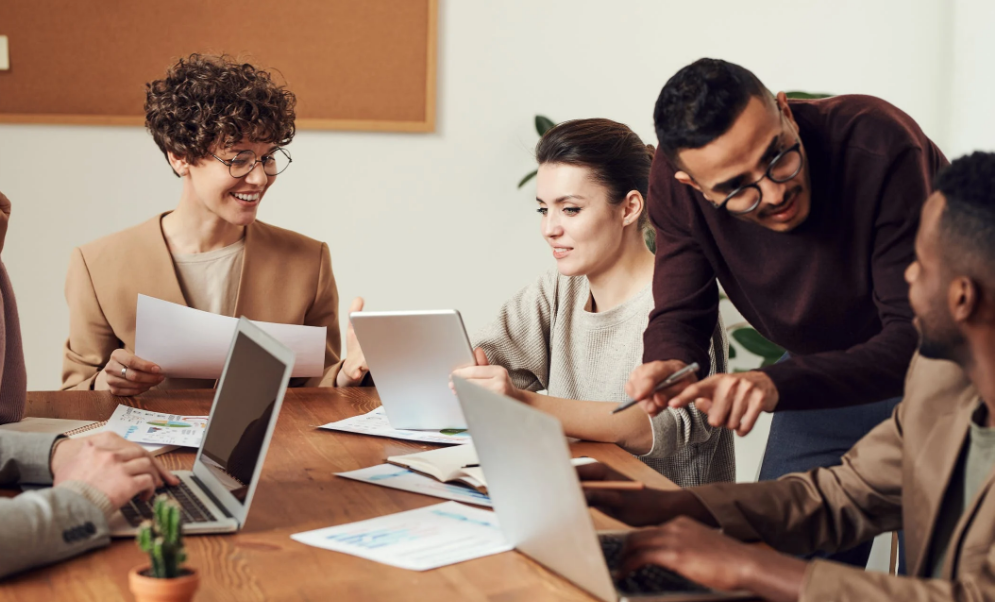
x: 93, y: 477
x: 927, y: 469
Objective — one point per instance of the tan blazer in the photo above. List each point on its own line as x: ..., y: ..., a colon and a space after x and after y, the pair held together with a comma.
x: 893, y: 478
x: 286, y: 277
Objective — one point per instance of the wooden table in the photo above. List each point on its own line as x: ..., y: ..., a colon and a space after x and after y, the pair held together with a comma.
x: 299, y: 492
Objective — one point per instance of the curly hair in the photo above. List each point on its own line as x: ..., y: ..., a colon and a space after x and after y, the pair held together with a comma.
x: 206, y: 102
x: 967, y: 224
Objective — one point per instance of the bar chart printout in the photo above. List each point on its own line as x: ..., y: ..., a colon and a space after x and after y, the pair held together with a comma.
x: 417, y: 540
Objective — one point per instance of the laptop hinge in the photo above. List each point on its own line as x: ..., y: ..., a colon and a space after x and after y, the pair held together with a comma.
x: 208, y: 493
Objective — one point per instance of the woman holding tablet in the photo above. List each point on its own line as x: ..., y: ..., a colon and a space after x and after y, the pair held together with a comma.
x: 577, y: 331
x: 223, y: 127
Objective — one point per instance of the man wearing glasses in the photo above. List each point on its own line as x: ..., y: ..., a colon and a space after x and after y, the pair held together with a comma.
x: 805, y: 212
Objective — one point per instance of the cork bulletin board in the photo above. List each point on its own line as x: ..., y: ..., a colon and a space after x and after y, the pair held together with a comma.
x: 353, y: 64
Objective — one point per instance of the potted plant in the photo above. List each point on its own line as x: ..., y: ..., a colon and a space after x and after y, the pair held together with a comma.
x: 164, y: 579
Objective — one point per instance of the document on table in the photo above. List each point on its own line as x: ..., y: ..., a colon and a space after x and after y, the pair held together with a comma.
x: 397, y: 477
x: 156, y: 428
x: 375, y: 423
x: 189, y: 343
x: 417, y: 540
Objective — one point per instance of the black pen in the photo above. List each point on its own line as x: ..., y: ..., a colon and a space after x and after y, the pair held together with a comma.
x: 676, y: 376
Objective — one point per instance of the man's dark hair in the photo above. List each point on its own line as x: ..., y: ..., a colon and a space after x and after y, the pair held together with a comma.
x: 967, y: 226
x: 701, y: 102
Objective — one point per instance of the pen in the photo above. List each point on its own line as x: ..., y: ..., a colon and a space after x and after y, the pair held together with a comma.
x: 676, y: 376
x: 617, y: 485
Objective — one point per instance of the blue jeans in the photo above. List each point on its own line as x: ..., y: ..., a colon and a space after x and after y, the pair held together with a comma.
x: 801, y: 440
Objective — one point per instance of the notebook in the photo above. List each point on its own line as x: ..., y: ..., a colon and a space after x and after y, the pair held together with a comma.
x: 74, y: 429
x: 449, y: 464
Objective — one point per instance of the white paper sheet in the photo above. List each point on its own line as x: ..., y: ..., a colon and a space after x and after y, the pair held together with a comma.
x: 375, y: 423
x: 418, y: 540
x: 189, y: 343
x: 401, y: 478
x: 157, y: 428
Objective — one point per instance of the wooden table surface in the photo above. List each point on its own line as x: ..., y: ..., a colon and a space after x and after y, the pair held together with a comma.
x: 299, y: 492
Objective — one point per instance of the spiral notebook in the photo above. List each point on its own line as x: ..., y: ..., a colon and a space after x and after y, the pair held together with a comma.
x: 72, y: 428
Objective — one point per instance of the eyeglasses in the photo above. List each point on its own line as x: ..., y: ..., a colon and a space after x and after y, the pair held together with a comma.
x: 245, y: 161
x: 782, y: 168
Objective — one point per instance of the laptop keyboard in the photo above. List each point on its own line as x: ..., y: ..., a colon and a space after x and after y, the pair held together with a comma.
x: 648, y: 579
x: 191, y: 508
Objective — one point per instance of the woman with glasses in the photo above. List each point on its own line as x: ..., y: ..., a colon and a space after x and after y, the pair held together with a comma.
x: 223, y: 127
x: 577, y: 332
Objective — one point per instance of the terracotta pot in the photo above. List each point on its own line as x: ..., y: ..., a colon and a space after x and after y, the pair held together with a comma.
x: 150, y: 589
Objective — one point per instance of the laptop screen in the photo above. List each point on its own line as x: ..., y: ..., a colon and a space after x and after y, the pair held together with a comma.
x: 242, y: 414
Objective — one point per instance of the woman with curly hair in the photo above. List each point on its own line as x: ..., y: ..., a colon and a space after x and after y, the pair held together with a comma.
x: 223, y: 127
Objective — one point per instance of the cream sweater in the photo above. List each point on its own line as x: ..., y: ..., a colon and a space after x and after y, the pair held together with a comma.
x: 546, y: 339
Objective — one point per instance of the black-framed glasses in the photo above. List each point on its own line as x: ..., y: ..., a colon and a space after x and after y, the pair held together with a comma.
x: 782, y: 168
x: 245, y: 161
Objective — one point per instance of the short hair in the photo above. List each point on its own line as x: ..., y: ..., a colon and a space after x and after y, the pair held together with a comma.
x: 967, y: 225
x: 701, y: 102
x: 206, y: 101
x: 618, y: 159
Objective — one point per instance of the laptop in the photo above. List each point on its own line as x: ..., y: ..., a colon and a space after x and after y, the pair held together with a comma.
x: 541, y: 507
x: 215, y: 496
x: 411, y: 355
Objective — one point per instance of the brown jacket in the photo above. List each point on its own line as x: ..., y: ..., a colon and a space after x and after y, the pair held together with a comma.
x: 893, y: 478
x: 286, y: 277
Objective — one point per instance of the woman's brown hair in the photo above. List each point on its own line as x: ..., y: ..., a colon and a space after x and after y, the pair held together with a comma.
x: 617, y: 157
x: 206, y: 102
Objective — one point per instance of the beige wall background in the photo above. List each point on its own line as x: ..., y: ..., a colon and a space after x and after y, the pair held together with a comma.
x: 419, y: 221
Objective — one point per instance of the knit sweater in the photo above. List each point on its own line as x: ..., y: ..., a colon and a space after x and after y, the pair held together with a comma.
x: 13, y: 377
x: 547, y: 339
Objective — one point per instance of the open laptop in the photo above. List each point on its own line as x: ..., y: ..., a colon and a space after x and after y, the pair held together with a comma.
x: 541, y: 508
x: 411, y: 355
x: 215, y: 495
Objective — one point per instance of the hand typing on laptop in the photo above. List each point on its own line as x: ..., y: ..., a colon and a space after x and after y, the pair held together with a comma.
x: 117, y: 468
x: 687, y: 542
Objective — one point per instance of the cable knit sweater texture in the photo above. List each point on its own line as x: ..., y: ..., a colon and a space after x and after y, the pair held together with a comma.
x: 547, y: 339
x: 13, y: 377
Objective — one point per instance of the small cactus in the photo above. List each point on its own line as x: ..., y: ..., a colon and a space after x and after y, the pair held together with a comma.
x: 162, y: 539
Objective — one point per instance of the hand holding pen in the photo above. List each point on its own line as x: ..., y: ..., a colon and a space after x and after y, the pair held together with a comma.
x: 649, y: 381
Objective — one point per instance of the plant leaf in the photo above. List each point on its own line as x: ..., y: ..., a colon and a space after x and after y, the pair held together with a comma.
x: 732, y: 352
x: 543, y: 124
x: 528, y: 177
x: 806, y: 95
x: 755, y: 343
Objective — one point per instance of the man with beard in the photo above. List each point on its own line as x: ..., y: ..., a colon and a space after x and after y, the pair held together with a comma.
x: 928, y: 469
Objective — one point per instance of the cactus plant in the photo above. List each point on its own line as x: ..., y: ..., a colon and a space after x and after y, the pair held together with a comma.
x: 162, y: 539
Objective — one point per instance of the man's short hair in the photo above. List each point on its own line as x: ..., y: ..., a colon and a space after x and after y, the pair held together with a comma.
x: 208, y: 101
x: 701, y: 102
x: 967, y: 226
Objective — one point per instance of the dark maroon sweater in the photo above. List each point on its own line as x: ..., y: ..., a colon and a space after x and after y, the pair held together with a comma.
x: 832, y: 291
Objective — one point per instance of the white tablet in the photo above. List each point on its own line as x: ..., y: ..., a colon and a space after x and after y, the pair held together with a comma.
x: 411, y: 355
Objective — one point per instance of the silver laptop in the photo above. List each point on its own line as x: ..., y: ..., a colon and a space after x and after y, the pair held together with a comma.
x: 215, y: 496
x: 541, y: 508
x: 411, y: 355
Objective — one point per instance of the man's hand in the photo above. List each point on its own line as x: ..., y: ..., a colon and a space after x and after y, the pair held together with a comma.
x: 126, y: 374
x: 4, y: 218
x: 495, y: 378
x: 117, y: 468
x: 354, y: 368
x: 646, y: 377
x: 640, y: 507
x: 714, y: 560
x: 731, y: 400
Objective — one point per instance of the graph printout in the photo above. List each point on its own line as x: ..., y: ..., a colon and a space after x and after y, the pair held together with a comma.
x: 417, y: 540
x: 157, y: 428
x: 375, y: 423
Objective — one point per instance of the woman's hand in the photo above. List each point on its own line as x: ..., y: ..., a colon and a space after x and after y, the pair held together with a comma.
x: 126, y: 374
x: 354, y: 367
x: 495, y: 378
x: 4, y: 218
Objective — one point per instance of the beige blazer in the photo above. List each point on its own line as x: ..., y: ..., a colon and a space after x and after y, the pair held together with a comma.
x: 286, y: 277
x: 893, y: 478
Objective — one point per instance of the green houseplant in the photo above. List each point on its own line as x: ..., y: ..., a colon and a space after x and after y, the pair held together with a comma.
x: 742, y: 334
x: 164, y: 578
